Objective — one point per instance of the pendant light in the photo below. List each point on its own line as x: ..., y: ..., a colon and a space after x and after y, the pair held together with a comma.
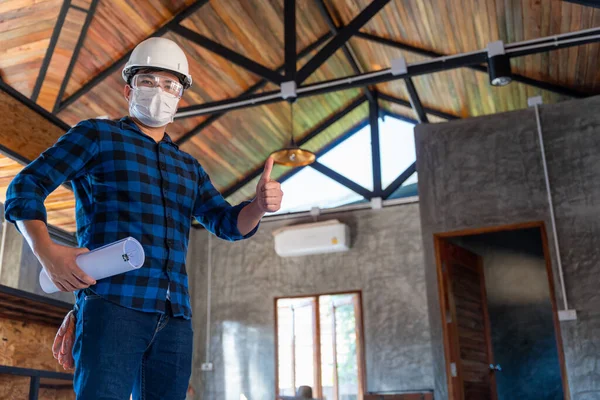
x: 293, y: 156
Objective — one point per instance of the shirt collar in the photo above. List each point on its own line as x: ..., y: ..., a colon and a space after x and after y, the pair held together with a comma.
x: 129, y: 122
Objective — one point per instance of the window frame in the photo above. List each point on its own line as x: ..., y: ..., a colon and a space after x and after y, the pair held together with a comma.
x: 360, y: 341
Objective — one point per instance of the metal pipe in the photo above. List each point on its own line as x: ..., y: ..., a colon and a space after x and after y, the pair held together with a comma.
x: 551, y: 206
x: 208, y: 297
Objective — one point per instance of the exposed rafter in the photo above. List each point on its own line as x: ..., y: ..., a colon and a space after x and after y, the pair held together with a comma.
x: 76, y: 50
x: 341, y: 179
x: 347, y: 49
x: 415, y: 101
x: 189, y: 10
x: 430, y: 111
x: 228, y: 54
x: 289, y: 25
x: 561, y: 90
x: 340, y: 39
x: 62, y: 14
x: 399, y: 181
x: 375, y: 149
x: 259, y: 85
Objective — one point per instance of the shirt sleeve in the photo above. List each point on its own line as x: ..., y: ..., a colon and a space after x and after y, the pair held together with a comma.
x: 66, y: 160
x: 215, y: 213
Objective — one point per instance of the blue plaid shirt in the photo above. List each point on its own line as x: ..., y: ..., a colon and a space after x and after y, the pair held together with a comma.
x: 126, y: 184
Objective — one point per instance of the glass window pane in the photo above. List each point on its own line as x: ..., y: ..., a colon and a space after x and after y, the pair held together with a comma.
x: 284, y: 341
x: 346, y: 352
x: 408, y: 189
x: 352, y: 158
x: 304, y: 331
x: 309, y: 188
x: 327, y: 367
x: 397, y: 146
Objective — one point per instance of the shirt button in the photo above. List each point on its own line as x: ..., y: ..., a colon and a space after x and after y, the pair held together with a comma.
x: 162, y: 167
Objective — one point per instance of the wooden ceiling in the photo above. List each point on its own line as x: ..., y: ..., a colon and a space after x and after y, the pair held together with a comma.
x: 236, y: 144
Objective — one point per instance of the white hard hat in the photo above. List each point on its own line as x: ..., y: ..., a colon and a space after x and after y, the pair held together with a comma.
x: 158, y: 53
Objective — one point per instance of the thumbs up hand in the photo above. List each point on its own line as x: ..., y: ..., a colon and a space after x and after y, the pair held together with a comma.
x: 268, y: 192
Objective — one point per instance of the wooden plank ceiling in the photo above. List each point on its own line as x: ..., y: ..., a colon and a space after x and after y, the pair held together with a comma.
x: 236, y: 144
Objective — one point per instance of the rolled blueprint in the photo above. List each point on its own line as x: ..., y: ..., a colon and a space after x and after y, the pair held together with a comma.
x: 106, y: 261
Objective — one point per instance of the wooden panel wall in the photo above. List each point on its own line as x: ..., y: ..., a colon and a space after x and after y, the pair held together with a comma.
x: 27, y: 345
x: 17, y: 388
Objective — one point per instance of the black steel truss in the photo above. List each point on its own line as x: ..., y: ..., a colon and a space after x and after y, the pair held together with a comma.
x: 75, y: 56
x: 375, y: 149
x: 289, y: 26
x: 62, y: 14
x: 346, y: 48
x: 254, y: 88
x: 228, y: 54
x: 189, y: 10
x: 415, y: 101
x: 340, y: 39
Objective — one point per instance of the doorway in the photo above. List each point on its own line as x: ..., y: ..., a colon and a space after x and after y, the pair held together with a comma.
x: 501, y: 331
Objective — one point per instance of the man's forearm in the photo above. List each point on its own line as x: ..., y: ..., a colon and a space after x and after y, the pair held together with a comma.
x: 36, y: 234
x: 249, y: 217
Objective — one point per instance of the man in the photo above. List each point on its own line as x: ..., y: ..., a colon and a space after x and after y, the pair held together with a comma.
x: 133, y: 332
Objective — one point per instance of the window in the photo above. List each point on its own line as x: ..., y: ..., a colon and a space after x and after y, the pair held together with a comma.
x: 319, y: 344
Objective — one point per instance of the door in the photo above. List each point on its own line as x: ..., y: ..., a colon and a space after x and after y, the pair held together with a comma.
x: 469, y: 357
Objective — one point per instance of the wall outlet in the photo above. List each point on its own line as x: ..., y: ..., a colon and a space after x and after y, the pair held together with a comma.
x: 567, y: 315
x: 207, y: 367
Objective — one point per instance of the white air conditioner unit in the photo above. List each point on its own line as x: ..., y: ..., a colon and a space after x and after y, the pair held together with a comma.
x: 315, y: 238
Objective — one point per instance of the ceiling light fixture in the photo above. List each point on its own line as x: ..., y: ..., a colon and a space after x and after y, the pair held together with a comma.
x: 293, y: 156
x: 498, y: 64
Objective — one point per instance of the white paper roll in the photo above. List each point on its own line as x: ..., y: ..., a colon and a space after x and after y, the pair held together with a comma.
x: 106, y: 261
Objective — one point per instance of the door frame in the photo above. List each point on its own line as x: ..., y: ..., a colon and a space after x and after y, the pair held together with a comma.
x: 439, y: 237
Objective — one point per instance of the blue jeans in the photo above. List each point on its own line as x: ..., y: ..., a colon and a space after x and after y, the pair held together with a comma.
x: 119, y: 352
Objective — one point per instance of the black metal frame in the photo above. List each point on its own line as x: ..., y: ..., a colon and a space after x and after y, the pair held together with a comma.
x: 475, y: 60
x: 75, y: 56
x: 228, y: 54
x: 189, y: 10
x: 62, y: 15
x: 35, y: 375
x: 346, y: 48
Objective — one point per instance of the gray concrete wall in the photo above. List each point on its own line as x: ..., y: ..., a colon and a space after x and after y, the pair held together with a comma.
x: 487, y: 171
x: 19, y: 267
x: 386, y: 264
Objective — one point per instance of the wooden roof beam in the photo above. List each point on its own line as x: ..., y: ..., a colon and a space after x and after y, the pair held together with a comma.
x: 561, y: 90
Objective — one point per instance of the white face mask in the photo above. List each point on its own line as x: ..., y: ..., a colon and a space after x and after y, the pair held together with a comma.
x: 152, y: 106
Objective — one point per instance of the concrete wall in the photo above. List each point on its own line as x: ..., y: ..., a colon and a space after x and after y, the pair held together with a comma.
x: 520, y: 312
x: 487, y: 171
x: 386, y: 264
x: 19, y: 267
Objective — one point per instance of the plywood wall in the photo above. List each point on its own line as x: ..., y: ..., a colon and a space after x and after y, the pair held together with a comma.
x: 27, y: 345
x: 17, y: 388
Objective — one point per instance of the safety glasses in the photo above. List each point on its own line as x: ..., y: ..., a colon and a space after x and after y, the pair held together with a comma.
x: 168, y: 85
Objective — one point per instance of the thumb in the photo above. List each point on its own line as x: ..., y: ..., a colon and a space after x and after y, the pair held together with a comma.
x: 266, y: 176
x: 81, y: 250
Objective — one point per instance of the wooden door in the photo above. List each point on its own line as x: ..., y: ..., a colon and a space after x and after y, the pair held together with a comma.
x: 468, y: 340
